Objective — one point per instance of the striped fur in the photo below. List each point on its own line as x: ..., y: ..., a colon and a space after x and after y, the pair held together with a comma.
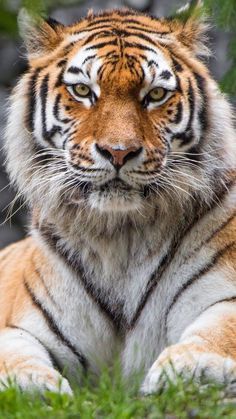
x: 131, y: 253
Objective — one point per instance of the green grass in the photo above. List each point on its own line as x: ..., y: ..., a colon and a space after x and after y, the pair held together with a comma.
x: 110, y: 399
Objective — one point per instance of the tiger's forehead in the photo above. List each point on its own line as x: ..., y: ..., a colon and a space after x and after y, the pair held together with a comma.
x: 116, y: 60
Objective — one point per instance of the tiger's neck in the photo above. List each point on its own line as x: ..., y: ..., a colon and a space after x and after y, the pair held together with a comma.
x: 118, y: 267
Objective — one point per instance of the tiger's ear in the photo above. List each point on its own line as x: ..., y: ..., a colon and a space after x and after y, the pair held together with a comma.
x: 190, y: 27
x: 40, y: 36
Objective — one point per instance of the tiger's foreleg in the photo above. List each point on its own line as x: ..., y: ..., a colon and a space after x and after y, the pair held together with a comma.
x: 25, y: 362
x: 206, y: 352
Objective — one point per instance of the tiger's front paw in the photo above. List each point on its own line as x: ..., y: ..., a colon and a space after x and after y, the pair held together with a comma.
x: 190, y: 362
x: 39, y: 379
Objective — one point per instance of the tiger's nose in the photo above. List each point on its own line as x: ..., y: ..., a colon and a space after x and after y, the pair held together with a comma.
x: 118, y: 156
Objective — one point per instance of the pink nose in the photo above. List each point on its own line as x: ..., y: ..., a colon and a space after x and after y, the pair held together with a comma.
x: 118, y: 156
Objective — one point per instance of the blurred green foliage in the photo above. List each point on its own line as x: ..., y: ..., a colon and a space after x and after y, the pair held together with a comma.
x: 7, y: 18
x: 222, y: 14
x: 9, y: 10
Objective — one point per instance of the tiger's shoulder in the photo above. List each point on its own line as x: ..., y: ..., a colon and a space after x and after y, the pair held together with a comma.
x: 15, y: 255
x: 17, y: 261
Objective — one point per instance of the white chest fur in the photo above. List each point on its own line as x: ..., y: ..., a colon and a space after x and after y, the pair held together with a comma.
x: 135, y: 293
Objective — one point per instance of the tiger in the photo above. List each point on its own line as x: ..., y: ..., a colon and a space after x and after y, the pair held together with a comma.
x: 123, y: 148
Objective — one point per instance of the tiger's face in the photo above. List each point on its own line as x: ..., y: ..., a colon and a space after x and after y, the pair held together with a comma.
x: 119, y: 98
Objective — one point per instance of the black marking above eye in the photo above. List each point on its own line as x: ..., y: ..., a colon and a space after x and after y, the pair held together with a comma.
x: 166, y: 75
x: 152, y: 62
x: 75, y: 70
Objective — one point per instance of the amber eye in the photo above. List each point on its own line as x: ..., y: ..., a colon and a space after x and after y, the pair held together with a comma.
x: 157, y: 94
x: 81, y: 90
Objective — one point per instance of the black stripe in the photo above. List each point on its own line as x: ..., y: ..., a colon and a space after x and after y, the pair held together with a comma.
x: 179, y: 59
x: 102, y: 45
x: 191, y: 100
x: 111, y: 54
x: 43, y: 97
x: 101, y: 69
x: 194, y: 154
x: 137, y: 57
x: 142, y: 36
x: 103, y: 20
x: 56, y: 112
x: 40, y: 276
x: 184, y: 137
x: 142, y: 75
x: 187, y: 135
x: 179, y: 114
x: 75, y: 70
x: 90, y: 57
x: 113, y: 310
x: 221, y: 227
x: 98, y: 34
x: 67, y: 48
x: 136, y: 22
x: 177, y: 66
x: 152, y: 283
x: 85, y: 169
x: 199, y: 211
x: 165, y: 74
x: 203, y: 113
x: 152, y: 62
x: 178, y: 84
x: 98, y: 28
x: 221, y: 189
x: 138, y: 46
x: 54, y: 130
x: 197, y: 276
x: 56, y: 106
x: 139, y: 74
x: 50, y: 354
x: 54, y: 328
x: 61, y: 63
x: 47, y: 135
x: 224, y: 300
x: 143, y: 28
x: 59, y: 80
x: 32, y: 100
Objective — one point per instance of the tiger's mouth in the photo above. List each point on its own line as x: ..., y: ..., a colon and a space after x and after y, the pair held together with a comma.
x: 115, y: 184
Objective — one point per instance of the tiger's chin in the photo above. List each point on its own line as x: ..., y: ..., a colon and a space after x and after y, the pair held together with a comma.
x: 114, y: 196
x: 115, y: 201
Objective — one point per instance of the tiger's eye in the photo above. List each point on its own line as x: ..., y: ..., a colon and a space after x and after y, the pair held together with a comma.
x: 81, y: 90
x: 157, y: 94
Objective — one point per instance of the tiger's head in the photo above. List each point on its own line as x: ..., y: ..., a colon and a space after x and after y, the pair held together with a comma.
x: 114, y: 113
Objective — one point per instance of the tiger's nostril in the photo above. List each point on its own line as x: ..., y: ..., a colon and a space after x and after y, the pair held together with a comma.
x: 118, y: 156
